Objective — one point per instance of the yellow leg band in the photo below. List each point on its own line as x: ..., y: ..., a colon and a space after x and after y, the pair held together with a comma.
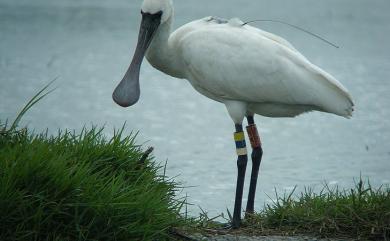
x: 239, y: 136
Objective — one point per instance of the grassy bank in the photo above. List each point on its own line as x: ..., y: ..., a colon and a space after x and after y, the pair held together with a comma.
x: 82, y: 187
x: 361, y: 213
x: 86, y: 187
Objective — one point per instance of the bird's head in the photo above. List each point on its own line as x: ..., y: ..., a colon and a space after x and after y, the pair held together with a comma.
x: 155, y: 6
x: 154, y: 13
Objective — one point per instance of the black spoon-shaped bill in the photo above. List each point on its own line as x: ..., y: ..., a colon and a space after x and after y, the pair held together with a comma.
x: 127, y: 92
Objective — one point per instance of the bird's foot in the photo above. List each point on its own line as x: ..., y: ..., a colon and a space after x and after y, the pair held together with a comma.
x: 230, y: 226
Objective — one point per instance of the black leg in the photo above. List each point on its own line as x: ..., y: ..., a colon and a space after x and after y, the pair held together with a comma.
x: 257, y: 153
x: 241, y: 166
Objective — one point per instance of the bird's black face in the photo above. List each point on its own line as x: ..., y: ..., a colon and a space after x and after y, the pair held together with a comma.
x: 128, y: 91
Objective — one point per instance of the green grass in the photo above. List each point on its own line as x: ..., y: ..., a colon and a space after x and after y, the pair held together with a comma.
x: 81, y: 187
x: 361, y: 213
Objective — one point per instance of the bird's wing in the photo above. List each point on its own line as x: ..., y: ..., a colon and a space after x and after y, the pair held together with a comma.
x: 239, y: 63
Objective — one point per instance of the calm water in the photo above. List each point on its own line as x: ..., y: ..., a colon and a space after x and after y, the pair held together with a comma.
x: 88, y: 45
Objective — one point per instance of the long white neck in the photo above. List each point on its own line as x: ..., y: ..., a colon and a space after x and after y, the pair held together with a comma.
x: 160, y: 53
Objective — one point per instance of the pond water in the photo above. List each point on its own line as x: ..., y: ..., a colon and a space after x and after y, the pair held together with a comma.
x: 88, y: 45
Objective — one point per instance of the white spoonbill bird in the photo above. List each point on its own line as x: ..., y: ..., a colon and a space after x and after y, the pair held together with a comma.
x: 249, y: 70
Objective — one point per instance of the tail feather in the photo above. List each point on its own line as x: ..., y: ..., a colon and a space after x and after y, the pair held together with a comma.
x: 334, y: 97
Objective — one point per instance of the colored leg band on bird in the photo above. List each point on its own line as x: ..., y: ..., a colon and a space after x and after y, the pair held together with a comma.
x: 253, y: 136
x: 239, y: 138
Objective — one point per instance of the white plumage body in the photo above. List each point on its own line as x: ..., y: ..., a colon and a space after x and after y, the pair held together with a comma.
x: 249, y: 70
x: 231, y: 62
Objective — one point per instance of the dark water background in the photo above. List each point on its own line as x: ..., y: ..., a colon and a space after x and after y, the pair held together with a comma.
x: 88, y: 45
